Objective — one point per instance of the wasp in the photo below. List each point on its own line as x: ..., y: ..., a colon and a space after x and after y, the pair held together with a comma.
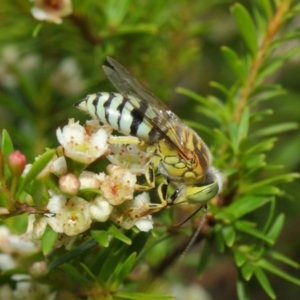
x: 174, y: 149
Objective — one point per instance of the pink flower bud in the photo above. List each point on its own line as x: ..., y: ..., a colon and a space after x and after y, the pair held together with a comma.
x: 69, y: 184
x: 16, y: 162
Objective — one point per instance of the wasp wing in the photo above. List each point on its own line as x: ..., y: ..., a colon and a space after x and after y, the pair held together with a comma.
x: 157, y: 113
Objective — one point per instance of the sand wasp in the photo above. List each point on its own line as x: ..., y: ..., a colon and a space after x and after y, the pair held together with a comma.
x: 175, y: 150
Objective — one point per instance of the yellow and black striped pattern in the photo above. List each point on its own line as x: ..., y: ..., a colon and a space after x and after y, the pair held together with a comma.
x: 178, y: 152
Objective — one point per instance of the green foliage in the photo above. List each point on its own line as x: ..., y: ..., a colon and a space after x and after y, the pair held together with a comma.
x: 159, y: 41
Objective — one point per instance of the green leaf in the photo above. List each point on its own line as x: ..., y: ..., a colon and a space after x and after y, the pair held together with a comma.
x: 245, y: 205
x: 116, y: 11
x: 139, y: 296
x: 48, y: 240
x: 281, y: 178
x: 290, y: 35
x: 245, y: 26
x: 260, y: 21
x: 122, y: 270
x: 204, y: 259
x: 211, y: 103
x: 222, y: 137
x: 247, y: 271
x: 270, y: 217
x: 261, y: 147
x: 219, y: 241
x: 234, y: 138
x: 115, y: 232
x: 82, y: 248
x: 101, y: 237
x: 239, y: 257
x: 19, y: 223
x: 275, y: 270
x: 228, y: 233
x: 244, y: 125
x: 7, y: 148
x: 35, y: 169
x: 254, y: 162
x: 222, y: 88
x: 199, y: 127
x: 264, y: 282
x: 73, y: 274
x: 134, y: 30
x: 276, y: 228
x: 276, y: 129
x: 267, y: 95
x: 242, y: 288
x: 244, y: 227
x: 270, y: 68
x: 37, y: 193
x: 234, y: 62
x: 266, y: 7
x: 282, y: 258
x: 89, y: 273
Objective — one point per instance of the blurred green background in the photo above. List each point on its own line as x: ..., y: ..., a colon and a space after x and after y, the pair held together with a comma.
x: 46, y: 67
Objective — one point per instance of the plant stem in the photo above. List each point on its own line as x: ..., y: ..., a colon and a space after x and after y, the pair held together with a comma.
x: 273, y: 27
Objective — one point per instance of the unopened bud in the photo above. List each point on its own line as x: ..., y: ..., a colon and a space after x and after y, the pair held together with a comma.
x: 69, y: 184
x: 38, y: 269
x: 16, y: 163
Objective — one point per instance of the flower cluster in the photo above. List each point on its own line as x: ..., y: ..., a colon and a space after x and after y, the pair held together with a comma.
x: 13, y: 249
x: 84, y: 196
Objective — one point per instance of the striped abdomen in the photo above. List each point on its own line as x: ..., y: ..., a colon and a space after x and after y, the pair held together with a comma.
x: 119, y: 112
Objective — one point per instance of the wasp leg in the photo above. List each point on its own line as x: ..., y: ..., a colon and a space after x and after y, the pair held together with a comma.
x: 150, y: 179
x: 162, y: 191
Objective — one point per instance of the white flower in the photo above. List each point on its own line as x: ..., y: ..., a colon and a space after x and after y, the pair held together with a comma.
x: 6, y: 262
x: 27, y: 290
x: 143, y: 223
x: 55, y: 205
x: 89, y: 180
x: 51, y: 11
x: 56, y: 224
x: 80, y: 145
x: 92, y: 126
x: 134, y: 213
x: 65, y: 240
x: 73, y: 218
x: 56, y: 202
x: 118, y: 186
x: 12, y: 243
x: 39, y: 227
x: 100, y: 209
x: 131, y: 157
x: 59, y: 166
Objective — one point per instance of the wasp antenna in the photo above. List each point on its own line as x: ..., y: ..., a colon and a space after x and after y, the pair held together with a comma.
x: 195, y: 235
x: 189, y: 217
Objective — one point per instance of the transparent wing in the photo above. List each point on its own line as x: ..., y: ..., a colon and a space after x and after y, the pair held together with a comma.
x: 157, y: 113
